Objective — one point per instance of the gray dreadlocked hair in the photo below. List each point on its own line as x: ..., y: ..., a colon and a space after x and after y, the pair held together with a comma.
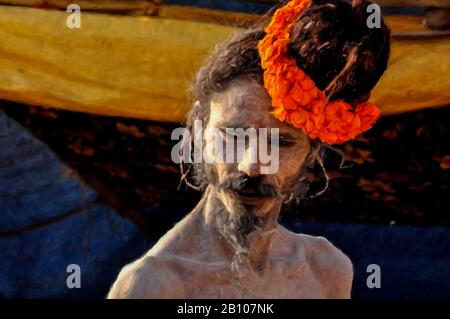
x: 330, y: 41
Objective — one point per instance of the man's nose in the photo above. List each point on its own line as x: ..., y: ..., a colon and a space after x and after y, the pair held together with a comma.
x: 250, y: 163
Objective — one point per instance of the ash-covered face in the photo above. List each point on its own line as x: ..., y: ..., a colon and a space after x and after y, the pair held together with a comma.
x: 242, y: 186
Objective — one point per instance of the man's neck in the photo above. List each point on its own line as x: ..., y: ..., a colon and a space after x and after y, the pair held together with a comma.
x: 257, y: 241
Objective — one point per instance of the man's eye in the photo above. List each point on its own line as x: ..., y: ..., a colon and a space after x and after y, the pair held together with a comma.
x: 285, y: 142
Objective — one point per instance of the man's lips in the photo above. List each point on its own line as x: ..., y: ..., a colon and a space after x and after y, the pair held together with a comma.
x: 248, y: 195
x: 247, y: 191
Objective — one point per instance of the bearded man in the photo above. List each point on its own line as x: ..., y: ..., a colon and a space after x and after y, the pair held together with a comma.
x: 307, y: 70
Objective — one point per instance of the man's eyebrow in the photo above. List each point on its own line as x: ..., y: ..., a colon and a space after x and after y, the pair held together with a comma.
x: 232, y: 125
x: 287, y: 135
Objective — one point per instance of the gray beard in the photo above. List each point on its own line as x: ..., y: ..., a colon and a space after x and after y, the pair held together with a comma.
x: 235, y: 230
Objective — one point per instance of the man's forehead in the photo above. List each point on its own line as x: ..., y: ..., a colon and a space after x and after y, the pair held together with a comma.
x: 244, y: 92
x: 244, y: 117
x: 243, y: 101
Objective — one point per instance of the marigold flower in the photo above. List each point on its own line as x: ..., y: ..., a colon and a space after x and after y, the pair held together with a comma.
x: 295, y: 97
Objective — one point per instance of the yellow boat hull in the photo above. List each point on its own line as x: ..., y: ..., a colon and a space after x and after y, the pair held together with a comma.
x: 141, y: 67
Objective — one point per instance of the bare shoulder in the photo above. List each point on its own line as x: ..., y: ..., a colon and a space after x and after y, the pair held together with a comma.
x: 149, y: 277
x: 328, y: 263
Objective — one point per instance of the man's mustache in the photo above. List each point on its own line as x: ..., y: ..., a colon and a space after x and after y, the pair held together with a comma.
x: 256, y: 184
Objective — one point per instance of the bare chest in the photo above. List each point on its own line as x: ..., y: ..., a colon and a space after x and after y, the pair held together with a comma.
x: 277, y: 281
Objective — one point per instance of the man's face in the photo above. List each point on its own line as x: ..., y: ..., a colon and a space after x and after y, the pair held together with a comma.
x: 242, y: 186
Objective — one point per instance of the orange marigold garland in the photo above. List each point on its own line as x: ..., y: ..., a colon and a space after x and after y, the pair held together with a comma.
x: 295, y: 97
